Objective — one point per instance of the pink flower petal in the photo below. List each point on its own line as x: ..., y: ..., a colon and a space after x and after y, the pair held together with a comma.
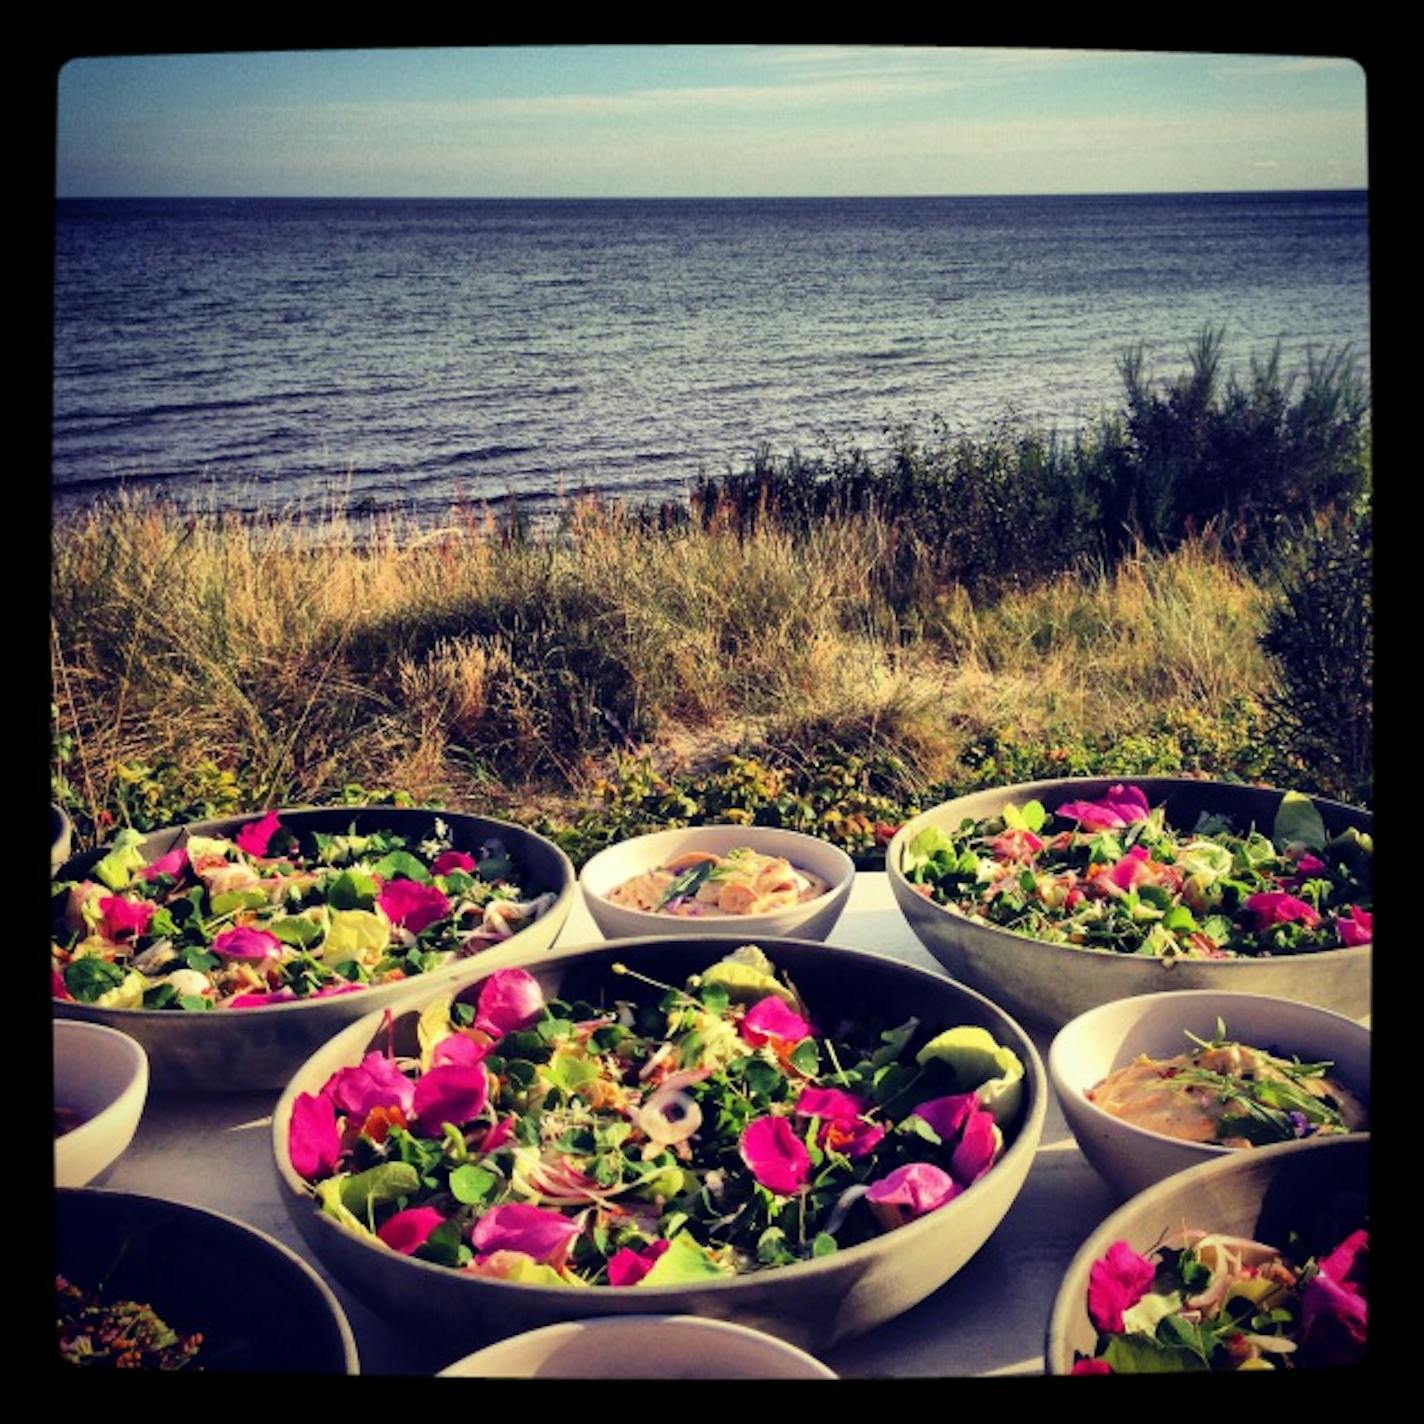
x: 455, y: 1093
x: 1275, y: 907
x: 453, y: 860
x: 1122, y: 806
x: 312, y: 1137
x: 458, y: 1049
x: 775, y: 1155
x: 342, y: 988
x: 1116, y: 1283
x: 978, y: 1147
x: 509, y: 999
x: 1334, y: 1323
x: 1356, y: 926
x: 497, y: 1136
x: 1132, y: 869
x: 375, y: 1082
x: 244, y: 943
x: 771, y: 1018
x: 174, y: 864
x: 909, y: 1192
x: 1091, y: 1367
x: 544, y: 1236
x: 831, y: 1105
x: 257, y: 1001
x: 125, y: 917
x: 948, y: 1115
x: 408, y: 1229
x: 255, y: 836
x: 1347, y: 1263
x: 626, y: 1267
x: 412, y: 905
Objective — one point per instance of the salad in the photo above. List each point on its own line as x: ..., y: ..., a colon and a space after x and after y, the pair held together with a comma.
x: 116, y: 1335
x: 742, y: 882
x: 1230, y: 1095
x: 1112, y: 875
x: 1208, y: 1301
x: 663, y: 1136
x: 274, y: 915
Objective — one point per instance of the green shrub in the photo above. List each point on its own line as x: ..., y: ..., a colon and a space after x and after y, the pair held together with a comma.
x: 1321, y: 632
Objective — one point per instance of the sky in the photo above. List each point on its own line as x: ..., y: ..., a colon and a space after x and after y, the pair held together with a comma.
x: 705, y: 121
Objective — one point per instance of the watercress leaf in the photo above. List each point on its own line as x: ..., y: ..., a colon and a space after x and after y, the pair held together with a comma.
x: 472, y: 1185
x: 401, y: 862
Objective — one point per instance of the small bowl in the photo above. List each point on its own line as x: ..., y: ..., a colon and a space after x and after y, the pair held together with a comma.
x: 1052, y: 983
x: 812, y: 919
x: 1132, y: 1158
x: 813, y: 1304
x: 102, y: 1075
x: 244, y: 1050
x: 650, y: 1347
x: 1319, y: 1188
x: 258, y: 1305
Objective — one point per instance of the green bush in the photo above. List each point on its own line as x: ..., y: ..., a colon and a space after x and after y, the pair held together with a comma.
x: 1321, y: 632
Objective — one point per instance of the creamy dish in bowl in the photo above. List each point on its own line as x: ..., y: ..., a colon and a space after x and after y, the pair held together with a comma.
x: 699, y: 883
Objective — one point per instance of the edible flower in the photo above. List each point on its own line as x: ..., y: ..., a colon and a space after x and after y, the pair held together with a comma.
x: 459, y: 1049
x: 1132, y: 869
x: 626, y: 1267
x: 174, y: 864
x: 776, y: 1157
x: 770, y: 1018
x: 1334, y: 1311
x: 909, y: 1192
x: 257, y: 1001
x: 947, y: 1115
x: 843, y: 1128
x: 412, y: 905
x: 543, y: 1236
x: 978, y: 1148
x: 1356, y: 926
x: 408, y: 1229
x: 256, y: 836
x: 509, y: 999
x: 450, y: 860
x: 123, y: 917
x: 374, y: 1082
x: 453, y: 1093
x: 312, y: 1138
x: 1093, y: 1366
x: 1115, y: 1284
x: 1122, y: 806
x: 244, y: 943
x: 1275, y: 907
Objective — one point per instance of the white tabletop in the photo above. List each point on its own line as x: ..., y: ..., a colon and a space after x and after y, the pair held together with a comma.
x: 990, y: 1319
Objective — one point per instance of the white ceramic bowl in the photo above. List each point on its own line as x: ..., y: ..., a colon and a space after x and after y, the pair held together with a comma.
x: 813, y: 1304
x: 103, y: 1076
x: 1319, y: 1188
x: 1131, y: 1158
x: 652, y: 1347
x: 1052, y: 983
x: 812, y: 919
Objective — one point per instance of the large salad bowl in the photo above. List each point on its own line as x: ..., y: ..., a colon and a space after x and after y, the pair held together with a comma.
x: 812, y: 1303
x: 251, y: 1048
x: 1051, y: 983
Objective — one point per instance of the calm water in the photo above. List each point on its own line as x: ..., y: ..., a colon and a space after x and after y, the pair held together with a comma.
x: 423, y: 352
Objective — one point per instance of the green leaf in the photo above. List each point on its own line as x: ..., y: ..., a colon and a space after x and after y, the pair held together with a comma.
x: 824, y: 1245
x: 1298, y: 823
x: 231, y: 900
x: 684, y: 1262
x: 401, y: 862
x: 1140, y: 1355
x: 378, y: 1185
x: 471, y: 1184
x: 296, y: 930
x: 806, y: 1057
x: 117, y: 867
x: 88, y: 977
x: 352, y: 890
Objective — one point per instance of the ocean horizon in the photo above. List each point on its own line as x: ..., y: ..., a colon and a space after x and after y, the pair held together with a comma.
x: 416, y: 354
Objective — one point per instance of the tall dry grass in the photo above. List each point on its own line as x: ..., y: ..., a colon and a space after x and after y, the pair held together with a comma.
x: 301, y: 654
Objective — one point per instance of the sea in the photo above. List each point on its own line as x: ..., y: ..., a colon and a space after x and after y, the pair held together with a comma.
x: 260, y: 355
